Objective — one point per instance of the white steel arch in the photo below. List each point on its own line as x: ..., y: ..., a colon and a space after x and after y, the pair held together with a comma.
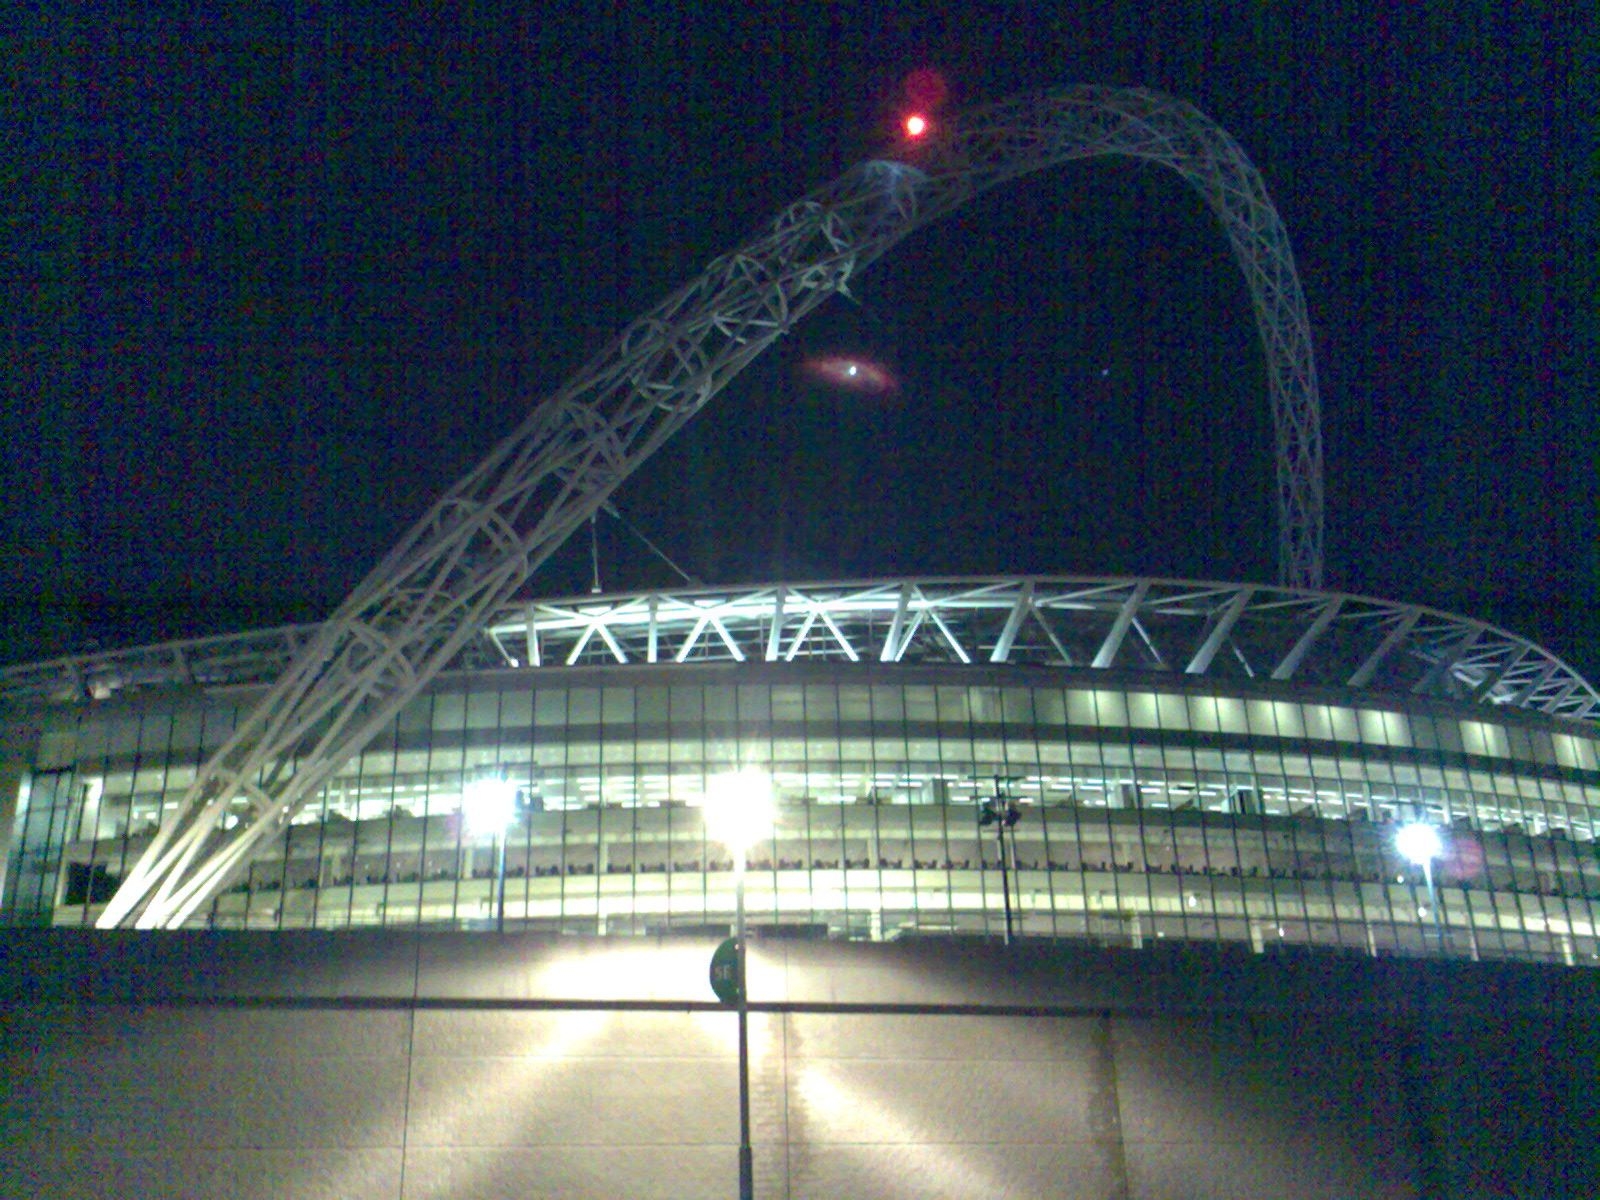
x: 479, y: 544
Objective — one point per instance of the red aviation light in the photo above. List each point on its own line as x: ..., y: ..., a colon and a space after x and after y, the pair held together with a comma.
x: 916, y: 125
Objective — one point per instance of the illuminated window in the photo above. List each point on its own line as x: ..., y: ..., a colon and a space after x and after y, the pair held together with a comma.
x: 1080, y: 708
x: 1174, y: 712
x: 1342, y: 724
x: 1111, y: 709
x: 1575, y: 752
x: 1203, y: 714
x: 1380, y: 728
x: 1142, y: 710
x: 1231, y: 716
x: 1263, y: 721
x: 1480, y: 737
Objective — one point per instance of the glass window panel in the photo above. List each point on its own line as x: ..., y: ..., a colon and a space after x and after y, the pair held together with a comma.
x: 953, y: 705
x: 1179, y: 757
x: 1472, y: 737
x: 1049, y: 707
x: 1053, y: 752
x: 721, y: 701
x: 755, y: 702
x: 822, y: 704
x: 688, y: 705
x: 1173, y: 711
x: 444, y: 758
x: 1203, y: 714
x: 1017, y: 706
x: 984, y: 703
x: 788, y: 704
x: 888, y: 705
x: 618, y: 750
x: 449, y: 711
x: 1518, y: 744
x: 1290, y: 723
x: 722, y: 754
x: 1575, y: 752
x: 123, y: 737
x: 1343, y: 724
x: 921, y: 703
x: 1080, y: 708
x: 1261, y: 718
x: 155, y: 732
x: 855, y: 703
x: 1318, y: 724
x: 617, y: 706
x: 1110, y: 709
x: 583, y: 706
x: 483, y: 710
x: 550, y: 707
x: 1142, y: 712
x: 1231, y: 716
x: 516, y: 710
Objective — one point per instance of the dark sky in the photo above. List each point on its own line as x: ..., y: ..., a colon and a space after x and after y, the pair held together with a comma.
x: 274, y: 285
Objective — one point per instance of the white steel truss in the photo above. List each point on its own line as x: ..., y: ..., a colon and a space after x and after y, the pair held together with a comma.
x: 1358, y: 644
x: 1176, y: 627
x: 477, y: 546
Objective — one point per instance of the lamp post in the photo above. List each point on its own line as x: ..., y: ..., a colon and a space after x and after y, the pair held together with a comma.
x: 738, y: 812
x: 1419, y: 844
x: 1002, y: 812
x: 488, y: 806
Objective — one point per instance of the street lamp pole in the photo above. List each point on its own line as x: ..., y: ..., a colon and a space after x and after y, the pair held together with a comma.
x: 1003, y: 814
x: 746, y: 1153
x: 500, y: 882
x: 489, y: 805
x: 738, y: 812
x: 1419, y: 843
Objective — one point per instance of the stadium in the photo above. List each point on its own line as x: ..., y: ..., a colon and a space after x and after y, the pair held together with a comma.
x: 1064, y: 884
x: 1200, y: 762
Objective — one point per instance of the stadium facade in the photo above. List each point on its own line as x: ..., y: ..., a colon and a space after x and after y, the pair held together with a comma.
x: 1186, y: 761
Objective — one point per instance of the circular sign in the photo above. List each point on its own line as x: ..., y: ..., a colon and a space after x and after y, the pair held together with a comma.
x: 725, y: 971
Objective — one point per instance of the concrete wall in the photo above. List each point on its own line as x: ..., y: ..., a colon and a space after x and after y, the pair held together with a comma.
x: 404, y: 1065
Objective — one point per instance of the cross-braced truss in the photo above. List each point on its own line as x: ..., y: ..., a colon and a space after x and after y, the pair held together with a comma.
x: 477, y: 547
x: 1166, y: 627
x: 1356, y: 644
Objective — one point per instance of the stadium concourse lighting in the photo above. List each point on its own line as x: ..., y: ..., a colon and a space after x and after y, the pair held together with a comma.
x: 1420, y: 844
x: 738, y: 813
x: 488, y: 807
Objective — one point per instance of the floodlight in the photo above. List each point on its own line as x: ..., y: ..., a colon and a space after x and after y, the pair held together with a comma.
x: 738, y: 808
x: 1419, y: 843
x: 488, y: 806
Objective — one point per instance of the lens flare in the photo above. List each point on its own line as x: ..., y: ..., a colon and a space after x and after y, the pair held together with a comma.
x: 851, y: 373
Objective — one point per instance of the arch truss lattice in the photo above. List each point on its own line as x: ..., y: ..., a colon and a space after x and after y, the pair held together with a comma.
x: 480, y: 543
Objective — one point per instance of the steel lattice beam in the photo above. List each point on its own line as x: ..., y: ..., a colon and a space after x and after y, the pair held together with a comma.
x: 478, y: 545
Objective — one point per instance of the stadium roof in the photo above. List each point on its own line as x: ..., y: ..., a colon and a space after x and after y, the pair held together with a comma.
x: 1160, y: 626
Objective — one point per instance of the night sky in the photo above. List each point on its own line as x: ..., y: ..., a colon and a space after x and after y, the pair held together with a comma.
x: 274, y: 285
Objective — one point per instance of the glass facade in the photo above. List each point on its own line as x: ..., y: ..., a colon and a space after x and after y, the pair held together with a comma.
x: 1203, y: 813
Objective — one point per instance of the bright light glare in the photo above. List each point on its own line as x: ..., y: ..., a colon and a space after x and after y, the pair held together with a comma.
x: 488, y: 806
x: 1418, y: 843
x: 916, y: 125
x: 738, y: 808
